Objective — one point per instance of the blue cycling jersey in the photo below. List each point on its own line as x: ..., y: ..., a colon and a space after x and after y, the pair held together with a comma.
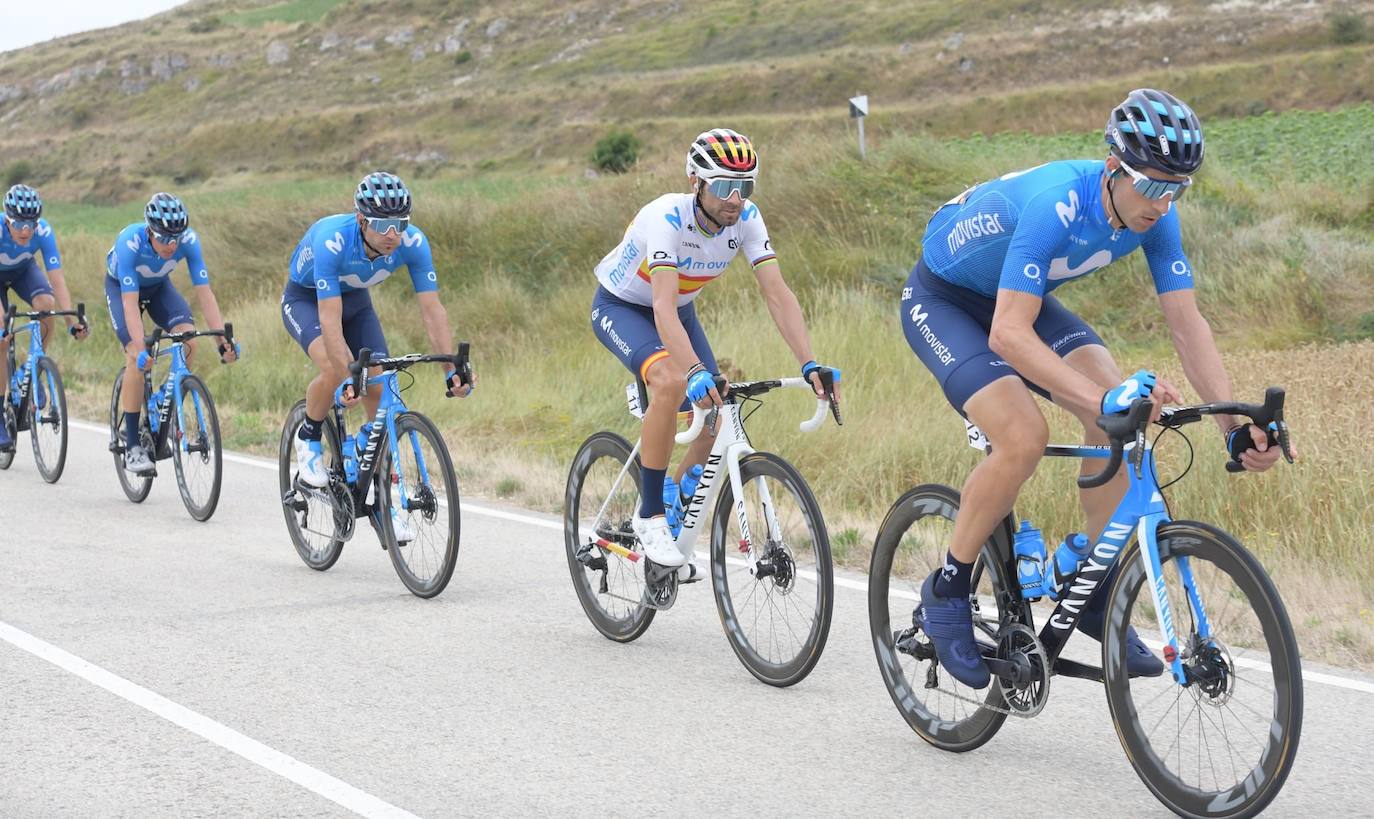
x: 15, y: 257
x: 331, y: 259
x: 1033, y: 230
x: 136, y: 266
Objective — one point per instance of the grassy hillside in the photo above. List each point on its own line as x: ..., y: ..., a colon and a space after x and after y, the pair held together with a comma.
x: 491, y: 112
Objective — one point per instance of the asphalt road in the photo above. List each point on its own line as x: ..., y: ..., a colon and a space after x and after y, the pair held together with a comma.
x: 151, y: 665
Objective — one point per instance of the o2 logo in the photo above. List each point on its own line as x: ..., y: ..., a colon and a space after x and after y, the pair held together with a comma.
x: 1180, y: 268
x: 1032, y: 272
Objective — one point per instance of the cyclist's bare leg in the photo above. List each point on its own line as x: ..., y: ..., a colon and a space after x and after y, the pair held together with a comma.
x: 4, y: 364
x: 319, y: 395
x: 1005, y: 411
x: 667, y: 386
x: 44, y: 301
x: 188, y: 348
x: 1100, y: 502
x: 697, y: 451
x: 131, y: 391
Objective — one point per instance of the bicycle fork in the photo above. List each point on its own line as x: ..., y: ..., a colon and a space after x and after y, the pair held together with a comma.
x: 1154, y: 575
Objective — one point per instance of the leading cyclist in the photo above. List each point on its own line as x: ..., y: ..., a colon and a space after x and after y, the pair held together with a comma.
x: 644, y: 313
x: 977, y: 311
x: 26, y: 237
x: 327, y: 309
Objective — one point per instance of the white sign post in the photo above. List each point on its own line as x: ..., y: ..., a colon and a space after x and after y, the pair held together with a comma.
x: 858, y: 109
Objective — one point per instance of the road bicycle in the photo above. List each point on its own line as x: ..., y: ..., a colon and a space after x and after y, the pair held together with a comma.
x: 177, y: 421
x: 1216, y: 735
x: 402, y: 463
x: 770, y: 563
x: 36, y: 400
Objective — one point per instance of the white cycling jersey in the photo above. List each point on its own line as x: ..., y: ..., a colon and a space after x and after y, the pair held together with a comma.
x: 666, y: 233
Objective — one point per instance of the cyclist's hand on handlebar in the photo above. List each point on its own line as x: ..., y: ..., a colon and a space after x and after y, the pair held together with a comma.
x: 1141, y: 384
x: 811, y: 371
x: 1254, y: 448
x: 455, y: 388
x: 229, y: 353
x: 701, y: 385
x: 79, y: 331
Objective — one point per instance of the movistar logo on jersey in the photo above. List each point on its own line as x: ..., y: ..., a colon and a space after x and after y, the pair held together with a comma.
x: 966, y: 230
x: 673, y: 219
x: 43, y: 229
x: 412, y: 240
x: 628, y: 256
x: 750, y: 211
x: 1067, y: 212
x: 938, y: 347
x: 336, y: 244
x: 688, y: 263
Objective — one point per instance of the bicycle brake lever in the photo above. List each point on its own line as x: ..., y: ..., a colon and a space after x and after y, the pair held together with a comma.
x: 712, y: 417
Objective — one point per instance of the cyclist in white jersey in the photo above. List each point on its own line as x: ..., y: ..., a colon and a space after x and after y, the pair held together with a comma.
x: 644, y: 310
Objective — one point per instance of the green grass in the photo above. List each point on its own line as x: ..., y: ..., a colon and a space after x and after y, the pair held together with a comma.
x: 293, y: 11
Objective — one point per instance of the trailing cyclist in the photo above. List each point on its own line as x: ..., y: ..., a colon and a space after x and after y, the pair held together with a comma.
x: 25, y: 238
x: 978, y: 312
x: 327, y: 309
x: 643, y: 311
x: 137, y: 278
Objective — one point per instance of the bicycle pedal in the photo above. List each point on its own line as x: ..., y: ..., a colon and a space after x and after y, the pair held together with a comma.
x: 690, y: 573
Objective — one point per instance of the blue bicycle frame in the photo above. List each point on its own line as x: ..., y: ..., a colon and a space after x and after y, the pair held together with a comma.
x: 358, y: 471
x: 161, y: 401
x: 24, y: 380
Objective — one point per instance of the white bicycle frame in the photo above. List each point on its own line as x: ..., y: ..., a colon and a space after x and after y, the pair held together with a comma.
x: 731, y: 445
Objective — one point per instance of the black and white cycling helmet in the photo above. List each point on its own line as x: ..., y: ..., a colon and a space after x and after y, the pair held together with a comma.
x: 382, y: 195
x: 23, y: 202
x: 1152, y: 129
x: 721, y: 153
x: 166, y: 215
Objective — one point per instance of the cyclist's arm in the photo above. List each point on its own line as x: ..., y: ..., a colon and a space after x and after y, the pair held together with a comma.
x: 209, y: 306
x: 133, y: 319
x: 435, y: 318
x: 1197, y: 350
x: 124, y: 257
x: 670, y: 330
x: 331, y: 330
x: 785, y: 309
x: 59, y: 288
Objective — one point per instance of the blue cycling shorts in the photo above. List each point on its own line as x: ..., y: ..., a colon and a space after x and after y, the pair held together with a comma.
x: 947, y: 327
x: 300, y: 314
x: 27, y: 282
x: 163, y: 304
x: 628, y: 330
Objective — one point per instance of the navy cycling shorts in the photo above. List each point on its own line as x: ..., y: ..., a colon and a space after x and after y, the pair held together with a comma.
x: 27, y: 282
x: 628, y: 330
x: 163, y: 304
x: 300, y: 314
x: 947, y: 326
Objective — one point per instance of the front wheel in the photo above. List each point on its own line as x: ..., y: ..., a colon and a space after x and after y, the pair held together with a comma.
x: 911, y: 544
x: 196, y: 449
x: 48, y: 422
x: 136, y: 487
x: 774, y: 600
x: 419, y: 496
x: 607, y: 573
x: 1222, y: 745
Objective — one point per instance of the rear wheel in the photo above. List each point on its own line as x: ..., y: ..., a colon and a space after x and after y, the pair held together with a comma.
x: 1223, y: 745
x: 607, y: 573
x: 911, y: 544
x: 776, y: 618
x: 7, y: 418
x: 319, y: 520
x: 195, y: 448
x: 136, y: 487
x: 418, y: 487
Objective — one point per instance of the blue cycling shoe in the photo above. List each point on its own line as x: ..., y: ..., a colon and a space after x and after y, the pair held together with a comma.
x: 1140, y: 661
x: 948, y: 622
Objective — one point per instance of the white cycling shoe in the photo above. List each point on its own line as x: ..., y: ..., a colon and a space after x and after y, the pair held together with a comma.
x: 400, y: 526
x: 657, y: 541
x: 310, y: 463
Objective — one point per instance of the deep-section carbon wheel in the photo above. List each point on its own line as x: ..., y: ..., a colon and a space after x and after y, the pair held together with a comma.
x: 195, y: 448
x: 420, y: 494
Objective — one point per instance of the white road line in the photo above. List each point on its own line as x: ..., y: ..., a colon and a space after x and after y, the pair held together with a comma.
x: 844, y: 582
x: 335, y: 790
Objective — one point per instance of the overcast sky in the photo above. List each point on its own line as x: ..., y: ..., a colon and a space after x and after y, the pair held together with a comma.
x: 25, y: 22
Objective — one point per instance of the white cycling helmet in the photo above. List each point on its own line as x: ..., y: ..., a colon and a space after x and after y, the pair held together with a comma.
x: 721, y: 153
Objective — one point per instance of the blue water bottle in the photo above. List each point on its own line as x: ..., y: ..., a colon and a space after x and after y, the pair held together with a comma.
x: 360, y: 440
x: 672, y: 506
x: 1067, y: 558
x: 350, y: 464
x: 1029, y: 547
x: 690, y: 479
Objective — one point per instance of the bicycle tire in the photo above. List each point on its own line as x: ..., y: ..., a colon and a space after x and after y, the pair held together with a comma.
x: 780, y: 588
x: 318, y: 559
x: 54, y: 414
x: 402, y: 555
x: 192, y: 386
x: 136, y: 487
x: 975, y: 729
x: 7, y: 418
x: 637, y: 619
x: 1256, y: 787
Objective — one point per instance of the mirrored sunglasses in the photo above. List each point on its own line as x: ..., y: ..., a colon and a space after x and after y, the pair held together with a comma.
x: 723, y: 188
x: 165, y: 238
x: 1151, y: 188
x: 387, y: 225
x: 22, y: 224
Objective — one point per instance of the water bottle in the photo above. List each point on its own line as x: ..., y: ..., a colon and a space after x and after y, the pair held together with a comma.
x: 1029, y: 548
x: 1067, y: 558
x: 350, y: 465
x: 360, y: 440
x: 690, y: 479
x: 672, y: 505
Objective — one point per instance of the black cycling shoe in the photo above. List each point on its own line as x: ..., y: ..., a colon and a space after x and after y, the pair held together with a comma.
x: 948, y: 622
x: 1140, y: 661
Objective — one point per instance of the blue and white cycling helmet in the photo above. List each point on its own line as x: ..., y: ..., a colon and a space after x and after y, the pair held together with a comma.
x: 23, y: 202
x: 1152, y: 129
x: 166, y: 215
x: 382, y: 195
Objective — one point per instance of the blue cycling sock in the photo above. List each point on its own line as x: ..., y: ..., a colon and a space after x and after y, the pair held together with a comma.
x: 311, y: 429
x: 954, y: 578
x: 651, y: 491
x: 130, y: 429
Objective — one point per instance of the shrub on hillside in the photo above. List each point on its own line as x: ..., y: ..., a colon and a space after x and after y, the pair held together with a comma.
x: 205, y: 25
x: 616, y: 152
x: 1348, y: 27
x: 18, y: 171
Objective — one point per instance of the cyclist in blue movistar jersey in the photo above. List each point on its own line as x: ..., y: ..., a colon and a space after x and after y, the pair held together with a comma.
x: 644, y: 314
x: 978, y: 311
x: 25, y: 238
x: 137, y: 279
x: 327, y: 310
